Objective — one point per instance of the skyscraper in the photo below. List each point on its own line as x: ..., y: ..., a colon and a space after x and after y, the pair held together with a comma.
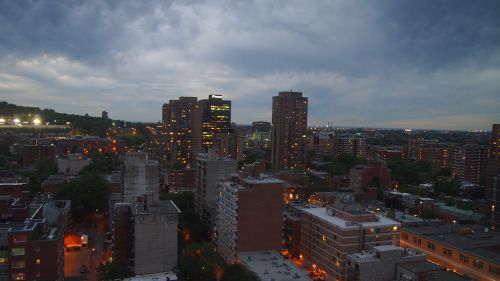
x: 493, y: 177
x: 289, y: 131
x: 181, y: 137
x: 215, y: 118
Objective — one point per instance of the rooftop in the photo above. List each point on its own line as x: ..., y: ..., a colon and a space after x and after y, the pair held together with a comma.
x: 161, y: 276
x: 420, y: 266
x: 468, y: 238
x: 321, y: 213
x: 372, y: 255
x: 270, y: 265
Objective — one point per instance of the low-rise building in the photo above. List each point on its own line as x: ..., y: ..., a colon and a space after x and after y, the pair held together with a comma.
x: 329, y: 234
x: 467, y: 249
x: 271, y: 265
x: 379, y: 264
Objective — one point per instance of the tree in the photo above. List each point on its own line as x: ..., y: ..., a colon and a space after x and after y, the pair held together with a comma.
x: 112, y: 271
x: 87, y: 193
x: 237, y: 272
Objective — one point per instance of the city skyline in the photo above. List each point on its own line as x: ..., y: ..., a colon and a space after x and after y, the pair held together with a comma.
x: 363, y: 64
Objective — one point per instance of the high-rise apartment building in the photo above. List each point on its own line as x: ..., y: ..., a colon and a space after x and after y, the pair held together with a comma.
x: 289, y: 131
x: 229, y: 143
x: 355, y: 145
x: 215, y: 114
x: 209, y: 169
x: 145, y: 232
x: 182, y: 135
x: 415, y: 144
x: 249, y: 216
x: 470, y: 163
x: 144, y: 227
x: 142, y: 177
x: 493, y: 178
x: 439, y: 155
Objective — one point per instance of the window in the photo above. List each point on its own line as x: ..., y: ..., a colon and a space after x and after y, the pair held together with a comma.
x: 478, y: 264
x: 447, y: 252
x: 18, y: 252
x: 18, y: 276
x: 431, y: 246
x: 18, y: 264
x: 37, y: 249
x: 4, y: 260
x: 464, y: 259
x: 20, y: 238
x: 493, y: 269
x: 405, y: 236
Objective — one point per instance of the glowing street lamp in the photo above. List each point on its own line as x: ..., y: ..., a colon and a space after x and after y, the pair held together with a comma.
x: 17, y: 121
x: 37, y: 121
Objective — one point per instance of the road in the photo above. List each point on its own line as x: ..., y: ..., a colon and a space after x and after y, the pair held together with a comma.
x: 90, y: 256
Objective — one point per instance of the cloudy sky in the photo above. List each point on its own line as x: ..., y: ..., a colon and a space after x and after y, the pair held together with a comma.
x: 412, y: 64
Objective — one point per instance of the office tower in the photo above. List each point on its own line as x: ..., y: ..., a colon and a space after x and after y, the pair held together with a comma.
x: 215, y: 118
x: 181, y: 136
x: 354, y: 145
x: 249, y: 216
x: 289, y: 131
x: 328, y: 234
x: 142, y: 177
x: 493, y: 178
x: 209, y: 169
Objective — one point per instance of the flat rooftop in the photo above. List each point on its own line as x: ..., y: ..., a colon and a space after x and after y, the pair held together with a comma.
x: 420, y: 266
x: 371, y: 255
x: 271, y: 265
x: 161, y: 276
x: 477, y: 242
x: 320, y: 212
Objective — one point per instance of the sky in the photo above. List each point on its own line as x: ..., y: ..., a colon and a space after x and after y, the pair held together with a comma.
x: 400, y: 63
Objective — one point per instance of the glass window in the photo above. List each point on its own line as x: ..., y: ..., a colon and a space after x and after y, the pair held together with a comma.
x: 4, y: 260
x: 18, y: 251
x: 18, y: 276
x: 18, y: 264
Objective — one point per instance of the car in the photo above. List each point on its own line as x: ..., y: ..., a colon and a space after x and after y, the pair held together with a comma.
x: 84, y: 269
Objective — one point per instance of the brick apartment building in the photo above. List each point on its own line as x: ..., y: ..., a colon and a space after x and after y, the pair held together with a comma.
x: 249, y: 216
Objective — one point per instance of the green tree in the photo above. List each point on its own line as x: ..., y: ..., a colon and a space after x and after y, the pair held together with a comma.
x: 87, y: 193
x: 237, y: 272
x: 112, y: 271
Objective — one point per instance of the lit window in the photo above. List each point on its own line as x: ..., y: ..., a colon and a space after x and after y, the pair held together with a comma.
x: 18, y: 251
x: 37, y: 261
x: 18, y: 276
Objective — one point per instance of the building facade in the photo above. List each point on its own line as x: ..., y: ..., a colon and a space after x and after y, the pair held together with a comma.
x: 215, y: 114
x: 209, y: 169
x: 142, y: 176
x: 329, y: 234
x: 289, y: 119
x: 467, y: 249
x: 182, y: 135
x: 249, y: 216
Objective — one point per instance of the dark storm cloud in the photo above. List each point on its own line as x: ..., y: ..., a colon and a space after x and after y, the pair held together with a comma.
x: 364, y: 63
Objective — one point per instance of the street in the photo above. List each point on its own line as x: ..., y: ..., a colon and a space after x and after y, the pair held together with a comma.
x: 90, y: 256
